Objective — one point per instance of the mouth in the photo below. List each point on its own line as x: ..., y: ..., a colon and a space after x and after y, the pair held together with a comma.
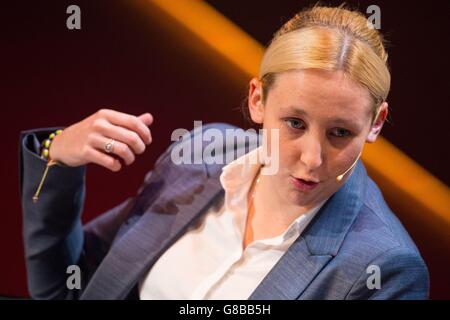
x: 304, y: 184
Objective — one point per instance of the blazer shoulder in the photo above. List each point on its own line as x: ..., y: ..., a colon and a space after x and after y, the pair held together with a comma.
x: 376, y: 232
x: 376, y: 209
x: 210, y: 147
x: 377, y: 239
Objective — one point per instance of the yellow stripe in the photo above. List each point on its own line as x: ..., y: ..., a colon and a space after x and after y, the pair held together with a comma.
x: 216, y: 31
x: 406, y: 183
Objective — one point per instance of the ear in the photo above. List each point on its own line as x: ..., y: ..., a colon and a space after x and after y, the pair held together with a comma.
x: 255, y: 104
x: 378, y: 123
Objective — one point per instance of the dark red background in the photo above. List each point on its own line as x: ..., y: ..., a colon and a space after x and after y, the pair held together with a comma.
x: 121, y: 59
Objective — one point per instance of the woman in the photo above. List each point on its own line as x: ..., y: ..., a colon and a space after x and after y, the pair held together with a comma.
x: 317, y: 228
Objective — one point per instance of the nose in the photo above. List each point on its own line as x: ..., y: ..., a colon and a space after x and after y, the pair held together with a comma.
x: 311, y: 155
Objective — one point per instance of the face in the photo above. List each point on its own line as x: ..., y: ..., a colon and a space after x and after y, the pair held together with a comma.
x: 324, y: 118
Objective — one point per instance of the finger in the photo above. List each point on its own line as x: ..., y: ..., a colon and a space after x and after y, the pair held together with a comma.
x: 120, y: 149
x: 129, y: 137
x: 146, y: 118
x: 128, y: 121
x: 103, y: 159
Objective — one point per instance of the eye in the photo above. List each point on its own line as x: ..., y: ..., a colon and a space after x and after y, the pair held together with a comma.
x: 295, y: 123
x: 340, y: 132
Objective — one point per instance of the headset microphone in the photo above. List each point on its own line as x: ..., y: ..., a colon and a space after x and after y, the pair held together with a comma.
x: 340, y: 177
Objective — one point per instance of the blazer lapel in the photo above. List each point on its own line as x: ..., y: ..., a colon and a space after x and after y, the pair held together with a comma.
x: 291, y: 275
x: 318, y: 244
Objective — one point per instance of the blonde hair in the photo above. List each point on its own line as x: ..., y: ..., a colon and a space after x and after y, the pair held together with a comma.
x: 329, y: 38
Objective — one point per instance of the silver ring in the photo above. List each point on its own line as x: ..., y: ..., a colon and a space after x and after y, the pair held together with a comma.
x: 109, y: 147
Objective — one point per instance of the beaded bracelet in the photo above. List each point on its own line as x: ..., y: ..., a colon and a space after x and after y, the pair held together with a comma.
x: 45, y: 146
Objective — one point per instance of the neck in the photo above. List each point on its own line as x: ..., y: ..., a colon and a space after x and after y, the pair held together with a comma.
x: 270, y: 207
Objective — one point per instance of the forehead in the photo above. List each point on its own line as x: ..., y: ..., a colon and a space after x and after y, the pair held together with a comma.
x: 327, y: 94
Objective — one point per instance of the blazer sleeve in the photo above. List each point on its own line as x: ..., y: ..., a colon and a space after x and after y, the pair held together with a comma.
x: 403, y: 276
x: 54, y: 237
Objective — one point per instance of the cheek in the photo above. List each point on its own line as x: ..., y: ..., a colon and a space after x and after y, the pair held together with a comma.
x: 290, y: 153
x: 338, y: 163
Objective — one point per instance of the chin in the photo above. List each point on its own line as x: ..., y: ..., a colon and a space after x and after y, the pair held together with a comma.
x: 299, y: 198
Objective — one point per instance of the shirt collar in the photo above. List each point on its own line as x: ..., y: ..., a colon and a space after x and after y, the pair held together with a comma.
x: 241, y: 171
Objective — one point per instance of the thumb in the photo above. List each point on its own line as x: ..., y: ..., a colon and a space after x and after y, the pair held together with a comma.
x: 146, y: 118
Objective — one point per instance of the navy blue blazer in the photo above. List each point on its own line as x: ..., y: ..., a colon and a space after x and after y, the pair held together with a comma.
x: 352, y: 235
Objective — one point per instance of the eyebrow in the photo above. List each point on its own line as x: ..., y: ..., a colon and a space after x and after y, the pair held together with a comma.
x: 300, y: 111
x: 297, y: 110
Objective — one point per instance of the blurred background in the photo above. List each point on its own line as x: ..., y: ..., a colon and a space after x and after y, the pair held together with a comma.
x: 173, y: 58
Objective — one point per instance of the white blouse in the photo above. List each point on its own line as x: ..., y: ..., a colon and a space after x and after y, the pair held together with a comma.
x: 208, y: 262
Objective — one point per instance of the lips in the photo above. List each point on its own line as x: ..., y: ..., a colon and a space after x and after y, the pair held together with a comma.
x: 303, y: 184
